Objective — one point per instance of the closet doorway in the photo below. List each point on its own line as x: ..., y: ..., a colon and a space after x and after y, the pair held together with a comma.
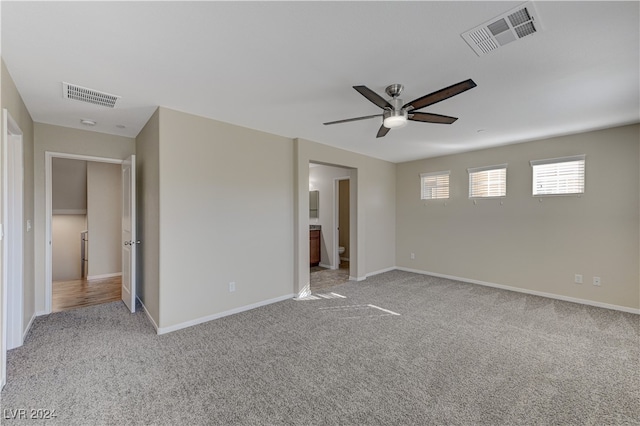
x: 86, y: 261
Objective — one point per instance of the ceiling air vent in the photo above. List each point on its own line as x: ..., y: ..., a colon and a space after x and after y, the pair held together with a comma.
x: 510, y: 26
x: 79, y: 93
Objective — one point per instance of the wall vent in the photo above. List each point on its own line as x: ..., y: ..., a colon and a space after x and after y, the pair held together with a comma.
x: 501, y: 30
x: 79, y: 93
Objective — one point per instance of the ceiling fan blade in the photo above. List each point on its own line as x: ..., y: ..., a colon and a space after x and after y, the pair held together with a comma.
x: 441, y: 95
x: 373, y: 97
x: 427, y: 117
x: 352, y: 119
x: 382, y: 131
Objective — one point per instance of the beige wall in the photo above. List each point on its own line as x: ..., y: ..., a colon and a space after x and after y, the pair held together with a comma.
x: 322, y: 178
x: 65, y: 246
x: 379, y: 193
x: 226, y: 209
x: 104, y: 218
x: 373, y: 197
x: 12, y: 101
x: 148, y: 216
x: 52, y: 138
x: 535, y: 244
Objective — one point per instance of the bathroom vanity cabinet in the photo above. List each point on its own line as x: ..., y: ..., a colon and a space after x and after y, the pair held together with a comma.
x: 314, y: 247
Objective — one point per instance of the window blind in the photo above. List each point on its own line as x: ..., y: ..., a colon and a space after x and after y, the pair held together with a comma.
x: 558, y: 176
x: 434, y: 185
x: 485, y: 182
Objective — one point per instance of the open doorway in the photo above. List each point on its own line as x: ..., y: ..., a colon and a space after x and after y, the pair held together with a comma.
x: 343, y: 213
x: 86, y: 263
x: 125, y: 232
x: 329, y: 265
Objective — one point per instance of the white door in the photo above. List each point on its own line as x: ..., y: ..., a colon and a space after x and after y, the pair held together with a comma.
x: 129, y: 241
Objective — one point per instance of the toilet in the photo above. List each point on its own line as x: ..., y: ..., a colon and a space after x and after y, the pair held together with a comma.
x: 340, y: 250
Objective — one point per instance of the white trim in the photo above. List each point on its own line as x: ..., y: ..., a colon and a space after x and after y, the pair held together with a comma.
x: 103, y: 276
x: 144, y: 308
x: 48, y: 206
x: 322, y: 265
x: 442, y: 173
x: 69, y: 211
x: 208, y: 318
x: 580, y: 157
x: 9, y: 128
x: 527, y: 291
x: 26, y: 330
x: 346, y: 259
x: 380, y: 271
x: 83, y: 157
x: 9, y: 287
x: 486, y: 168
x: 357, y: 279
x: 41, y: 313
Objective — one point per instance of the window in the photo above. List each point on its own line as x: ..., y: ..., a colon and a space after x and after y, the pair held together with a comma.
x: 434, y: 185
x: 485, y: 182
x: 558, y: 176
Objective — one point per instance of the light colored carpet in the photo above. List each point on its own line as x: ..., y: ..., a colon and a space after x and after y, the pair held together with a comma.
x: 457, y: 354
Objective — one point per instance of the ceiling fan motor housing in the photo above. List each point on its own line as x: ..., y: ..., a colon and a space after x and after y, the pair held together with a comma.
x: 394, y: 90
x: 397, y: 117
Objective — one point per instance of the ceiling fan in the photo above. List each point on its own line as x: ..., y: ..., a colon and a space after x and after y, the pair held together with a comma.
x: 395, y: 114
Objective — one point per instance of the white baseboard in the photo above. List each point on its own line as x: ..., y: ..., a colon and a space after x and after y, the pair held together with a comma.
x: 527, y: 291
x: 164, y: 330
x: 104, y: 276
x: 381, y: 271
x: 144, y: 308
x: 41, y: 313
x: 346, y: 259
x: 322, y: 265
x: 357, y: 278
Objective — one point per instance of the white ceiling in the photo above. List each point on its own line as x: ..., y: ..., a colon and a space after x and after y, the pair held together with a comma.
x: 287, y: 67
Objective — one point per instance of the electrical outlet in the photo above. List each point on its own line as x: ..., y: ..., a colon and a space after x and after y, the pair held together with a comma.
x: 596, y: 281
x: 232, y: 287
x: 578, y: 279
x: 413, y: 256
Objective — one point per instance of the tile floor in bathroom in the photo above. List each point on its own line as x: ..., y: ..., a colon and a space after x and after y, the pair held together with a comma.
x: 323, y: 278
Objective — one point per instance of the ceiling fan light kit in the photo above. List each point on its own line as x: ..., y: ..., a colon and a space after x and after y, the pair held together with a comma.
x: 394, y: 119
x: 396, y: 115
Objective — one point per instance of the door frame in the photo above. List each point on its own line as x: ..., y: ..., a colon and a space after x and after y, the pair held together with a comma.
x: 11, y: 337
x: 48, y: 184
